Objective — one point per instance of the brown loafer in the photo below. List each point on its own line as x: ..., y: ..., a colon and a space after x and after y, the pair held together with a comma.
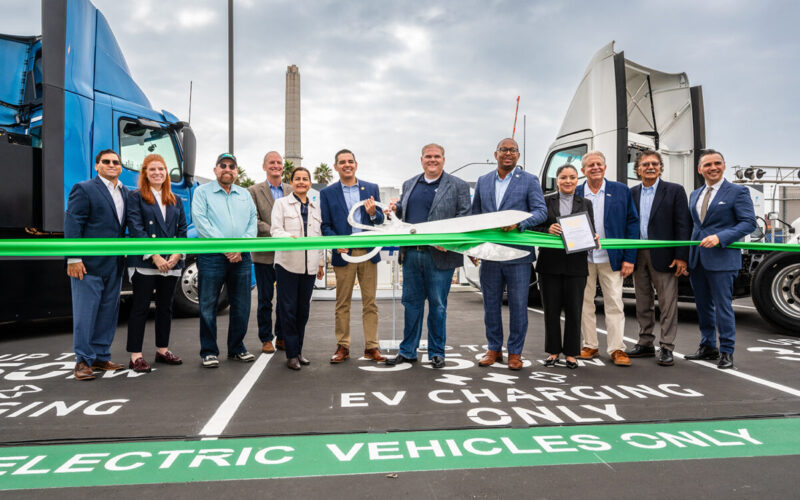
x: 491, y: 357
x: 139, y: 366
x: 168, y: 358
x: 280, y: 344
x: 374, y: 354
x: 588, y: 353
x: 83, y: 372
x: 108, y: 366
x: 620, y: 358
x: 293, y: 363
x: 341, y: 354
x: 514, y: 361
x: 267, y: 347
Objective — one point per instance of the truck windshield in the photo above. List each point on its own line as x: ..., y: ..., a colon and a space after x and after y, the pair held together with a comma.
x: 571, y: 155
x: 137, y: 141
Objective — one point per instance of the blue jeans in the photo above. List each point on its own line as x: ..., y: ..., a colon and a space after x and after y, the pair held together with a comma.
x: 265, y: 281
x: 95, y: 310
x: 495, y: 277
x: 422, y: 281
x: 713, y: 294
x: 214, y: 270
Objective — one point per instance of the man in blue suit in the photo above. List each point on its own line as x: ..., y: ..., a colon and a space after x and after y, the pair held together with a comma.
x: 336, y: 201
x: 663, y: 215
x: 96, y: 209
x: 508, y: 188
x: 615, y: 216
x: 722, y: 213
x: 428, y: 270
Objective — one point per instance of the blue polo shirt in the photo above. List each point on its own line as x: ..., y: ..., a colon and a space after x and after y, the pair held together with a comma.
x: 421, y: 199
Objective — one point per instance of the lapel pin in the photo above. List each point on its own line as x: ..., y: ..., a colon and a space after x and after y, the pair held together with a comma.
x: 362, y: 188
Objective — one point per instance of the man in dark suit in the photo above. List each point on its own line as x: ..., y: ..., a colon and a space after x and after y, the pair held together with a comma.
x: 508, y: 188
x: 428, y: 270
x: 722, y: 213
x: 96, y: 209
x: 614, y: 217
x: 264, y: 195
x: 663, y: 215
x: 336, y: 201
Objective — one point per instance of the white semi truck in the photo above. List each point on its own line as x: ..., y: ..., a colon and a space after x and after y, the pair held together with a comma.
x: 622, y: 108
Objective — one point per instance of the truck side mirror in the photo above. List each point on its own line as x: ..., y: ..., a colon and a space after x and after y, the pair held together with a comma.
x: 189, y: 146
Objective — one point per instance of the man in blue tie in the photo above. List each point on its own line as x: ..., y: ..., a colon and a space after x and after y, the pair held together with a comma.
x: 722, y: 213
x: 96, y: 209
x: 508, y: 188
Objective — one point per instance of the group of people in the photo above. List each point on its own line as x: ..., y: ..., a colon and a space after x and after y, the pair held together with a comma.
x: 716, y: 214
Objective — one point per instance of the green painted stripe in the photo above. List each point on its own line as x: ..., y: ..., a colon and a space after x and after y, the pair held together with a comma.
x: 343, y: 454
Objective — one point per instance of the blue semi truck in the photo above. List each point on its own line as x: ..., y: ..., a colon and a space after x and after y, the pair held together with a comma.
x: 65, y: 96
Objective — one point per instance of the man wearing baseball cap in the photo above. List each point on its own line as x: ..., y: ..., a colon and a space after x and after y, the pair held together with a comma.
x: 221, y: 209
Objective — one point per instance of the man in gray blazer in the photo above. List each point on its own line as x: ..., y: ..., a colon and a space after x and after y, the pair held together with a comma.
x: 264, y: 195
x: 428, y: 270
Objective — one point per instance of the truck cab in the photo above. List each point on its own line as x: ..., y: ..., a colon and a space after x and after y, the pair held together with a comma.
x: 67, y: 95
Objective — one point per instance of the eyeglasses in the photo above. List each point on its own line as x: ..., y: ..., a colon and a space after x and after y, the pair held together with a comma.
x: 508, y: 150
x: 109, y: 162
x: 229, y: 166
x: 650, y: 164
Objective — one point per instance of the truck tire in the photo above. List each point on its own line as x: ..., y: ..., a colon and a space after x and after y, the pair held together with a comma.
x: 776, y: 291
x: 186, y: 302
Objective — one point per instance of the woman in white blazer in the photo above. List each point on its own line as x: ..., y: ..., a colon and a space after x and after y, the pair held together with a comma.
x: 296, y: 216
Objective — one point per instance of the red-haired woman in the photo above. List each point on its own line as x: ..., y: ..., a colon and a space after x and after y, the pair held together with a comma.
x: 153, y: 212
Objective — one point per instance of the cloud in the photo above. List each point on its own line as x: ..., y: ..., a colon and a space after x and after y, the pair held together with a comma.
x: 197, y: 18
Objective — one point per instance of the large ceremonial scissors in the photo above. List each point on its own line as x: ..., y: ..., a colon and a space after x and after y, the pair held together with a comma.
x: 466, y: 224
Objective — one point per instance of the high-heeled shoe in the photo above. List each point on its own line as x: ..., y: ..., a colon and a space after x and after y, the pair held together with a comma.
x: 550, y: 362
x: 571, y: 364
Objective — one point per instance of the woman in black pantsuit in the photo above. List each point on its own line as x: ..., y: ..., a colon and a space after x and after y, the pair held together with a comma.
x: 562, y: 276
x: 153, y: 212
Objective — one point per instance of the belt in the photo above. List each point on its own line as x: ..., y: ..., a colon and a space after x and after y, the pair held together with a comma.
x: 419, y: 248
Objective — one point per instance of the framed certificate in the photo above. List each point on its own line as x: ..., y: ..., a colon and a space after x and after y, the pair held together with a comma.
x: 577, y: 232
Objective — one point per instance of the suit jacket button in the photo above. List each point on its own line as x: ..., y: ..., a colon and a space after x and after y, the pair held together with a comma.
x: 151, y: 222
x: 154, y: 236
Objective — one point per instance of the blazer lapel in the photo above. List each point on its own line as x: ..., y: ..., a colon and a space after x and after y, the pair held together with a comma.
x: 444, y: 185
x: 101, y: 186
x: 513, y: 185
x: 161, y: 222
x: 720, y: 196
x: 657, y: 199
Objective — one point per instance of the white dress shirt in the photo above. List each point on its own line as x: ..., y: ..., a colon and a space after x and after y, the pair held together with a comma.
x: 598, y: 207
x: 715, y: 188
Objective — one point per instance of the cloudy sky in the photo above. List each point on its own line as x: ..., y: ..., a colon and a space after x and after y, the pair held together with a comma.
x: 383, y: 78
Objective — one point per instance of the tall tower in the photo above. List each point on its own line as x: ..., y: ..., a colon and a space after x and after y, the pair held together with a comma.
x: 292, y: 134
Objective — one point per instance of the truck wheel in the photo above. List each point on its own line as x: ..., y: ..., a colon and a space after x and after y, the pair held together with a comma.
x: 776, y: 291
x: 186, y: 299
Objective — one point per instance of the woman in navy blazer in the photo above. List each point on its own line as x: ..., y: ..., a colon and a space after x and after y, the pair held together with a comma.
x: 153, y: 212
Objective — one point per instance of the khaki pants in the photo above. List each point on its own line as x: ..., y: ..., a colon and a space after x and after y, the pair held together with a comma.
x: 645, y: 279
x: 367, y: 273
x: 611, y: 285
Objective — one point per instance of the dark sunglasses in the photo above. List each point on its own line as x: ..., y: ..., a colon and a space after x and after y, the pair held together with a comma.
x: 229, y: 166
x: 109, y: 162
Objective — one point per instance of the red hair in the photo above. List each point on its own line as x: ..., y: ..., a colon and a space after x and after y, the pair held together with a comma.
x: 167, y: 198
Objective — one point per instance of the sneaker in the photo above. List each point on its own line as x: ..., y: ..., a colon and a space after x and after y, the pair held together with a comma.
x: 245, y: 356
x: 210, y: 361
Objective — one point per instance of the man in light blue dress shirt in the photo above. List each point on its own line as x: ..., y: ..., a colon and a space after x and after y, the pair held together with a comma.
x: 221, y: 209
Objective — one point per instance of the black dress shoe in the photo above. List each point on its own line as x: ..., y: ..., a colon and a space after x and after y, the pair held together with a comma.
x: 665, y: 357
x: 293, y: 363
x: 704, y: 352
x: 303, y: 360
x: 437, y: 362
x: 400, y: 359
x: 572, y: 365
x: 641, y: 351
x: 725, y: 361
x: 548, y: 362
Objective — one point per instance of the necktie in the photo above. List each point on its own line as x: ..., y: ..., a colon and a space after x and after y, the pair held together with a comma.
x: 704, y: 206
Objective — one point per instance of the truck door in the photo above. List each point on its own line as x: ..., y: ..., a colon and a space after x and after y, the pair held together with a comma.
x: 137, y: 137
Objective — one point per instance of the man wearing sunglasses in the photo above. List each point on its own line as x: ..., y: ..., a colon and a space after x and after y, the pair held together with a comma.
x: 222, y: 209
x: 96, y: 209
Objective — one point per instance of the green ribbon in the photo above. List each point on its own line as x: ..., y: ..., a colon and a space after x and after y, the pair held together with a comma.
x: 142, y: 246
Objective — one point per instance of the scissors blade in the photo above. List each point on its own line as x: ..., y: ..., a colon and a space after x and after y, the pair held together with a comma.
x: 470, y: 223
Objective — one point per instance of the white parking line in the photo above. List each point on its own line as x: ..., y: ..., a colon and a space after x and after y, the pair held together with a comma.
x: 226, y: 410
x: 735, y: 373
